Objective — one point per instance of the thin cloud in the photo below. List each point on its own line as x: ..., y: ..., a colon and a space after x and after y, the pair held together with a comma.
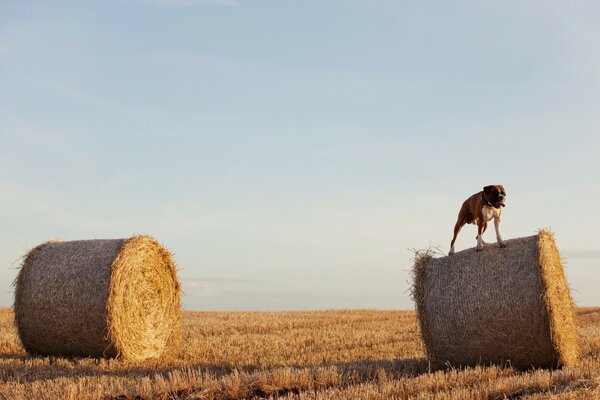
x: 221, y: 280
x: 3, y: 46
x: 191, y: 2
x: 90, y: 98
x: 582, y: 253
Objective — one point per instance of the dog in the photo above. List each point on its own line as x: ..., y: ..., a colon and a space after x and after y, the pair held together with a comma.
x: 478, y: 210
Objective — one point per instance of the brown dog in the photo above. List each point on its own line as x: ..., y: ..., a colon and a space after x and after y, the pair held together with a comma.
x: 478, y: 210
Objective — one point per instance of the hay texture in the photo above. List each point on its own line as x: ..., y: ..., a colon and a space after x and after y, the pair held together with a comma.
x: 506, y: 306
x: 97, y: 298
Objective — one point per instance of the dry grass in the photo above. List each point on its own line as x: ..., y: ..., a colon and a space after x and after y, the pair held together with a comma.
x: 295, y: 355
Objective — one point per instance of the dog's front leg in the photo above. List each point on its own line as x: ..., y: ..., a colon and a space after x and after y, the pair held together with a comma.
x: 498, y: 236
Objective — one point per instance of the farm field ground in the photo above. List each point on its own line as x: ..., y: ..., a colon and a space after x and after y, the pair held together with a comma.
x: 352, y: 354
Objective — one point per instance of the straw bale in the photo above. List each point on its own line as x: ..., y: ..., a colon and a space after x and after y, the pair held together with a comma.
x: 506, y: 306
x: 97, y: 298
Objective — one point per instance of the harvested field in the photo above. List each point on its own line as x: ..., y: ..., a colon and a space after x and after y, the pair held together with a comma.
x: 292, y: 355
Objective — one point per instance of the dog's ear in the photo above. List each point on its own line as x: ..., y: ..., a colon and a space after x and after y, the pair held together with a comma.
x: 487, y: 189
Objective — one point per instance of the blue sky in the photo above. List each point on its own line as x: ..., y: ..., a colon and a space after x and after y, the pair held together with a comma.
x: 291, y: 153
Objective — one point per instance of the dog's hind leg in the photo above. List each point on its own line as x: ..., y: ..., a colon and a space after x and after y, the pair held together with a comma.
x: 457, y: 227
x: 479, y: 238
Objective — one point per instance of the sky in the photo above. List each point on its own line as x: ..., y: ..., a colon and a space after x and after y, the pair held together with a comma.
x: 291, y: 154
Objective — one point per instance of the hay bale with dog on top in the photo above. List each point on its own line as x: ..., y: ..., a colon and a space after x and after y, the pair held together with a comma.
x: 97, y: 298
x: 509, y: 306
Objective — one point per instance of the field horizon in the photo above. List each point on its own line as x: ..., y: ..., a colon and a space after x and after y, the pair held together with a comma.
x: 321, y: 354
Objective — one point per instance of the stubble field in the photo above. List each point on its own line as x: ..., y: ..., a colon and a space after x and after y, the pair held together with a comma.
x: 358, y: 354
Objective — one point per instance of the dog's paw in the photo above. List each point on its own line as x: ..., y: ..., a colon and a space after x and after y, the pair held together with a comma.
x: 501, y: 244
x: 451, y: 252
x: 479, y: 248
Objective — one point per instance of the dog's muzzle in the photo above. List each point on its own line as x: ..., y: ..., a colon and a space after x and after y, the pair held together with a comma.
x: 501, y: 201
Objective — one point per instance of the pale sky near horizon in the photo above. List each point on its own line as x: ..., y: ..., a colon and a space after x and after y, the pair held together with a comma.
x: 290, y: 154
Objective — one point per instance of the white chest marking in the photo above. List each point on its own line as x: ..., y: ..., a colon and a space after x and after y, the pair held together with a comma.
x: 490, y: 212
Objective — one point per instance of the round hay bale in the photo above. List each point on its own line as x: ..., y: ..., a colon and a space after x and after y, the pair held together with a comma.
x: 97, y: 298
x: 506, y: 306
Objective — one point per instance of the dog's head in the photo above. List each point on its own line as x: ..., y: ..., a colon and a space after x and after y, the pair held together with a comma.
x: 495, y: 195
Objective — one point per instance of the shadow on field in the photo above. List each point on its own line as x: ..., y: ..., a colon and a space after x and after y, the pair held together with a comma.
x: 369, y: 369
x: 14, y: 356
x: 25, y: 368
